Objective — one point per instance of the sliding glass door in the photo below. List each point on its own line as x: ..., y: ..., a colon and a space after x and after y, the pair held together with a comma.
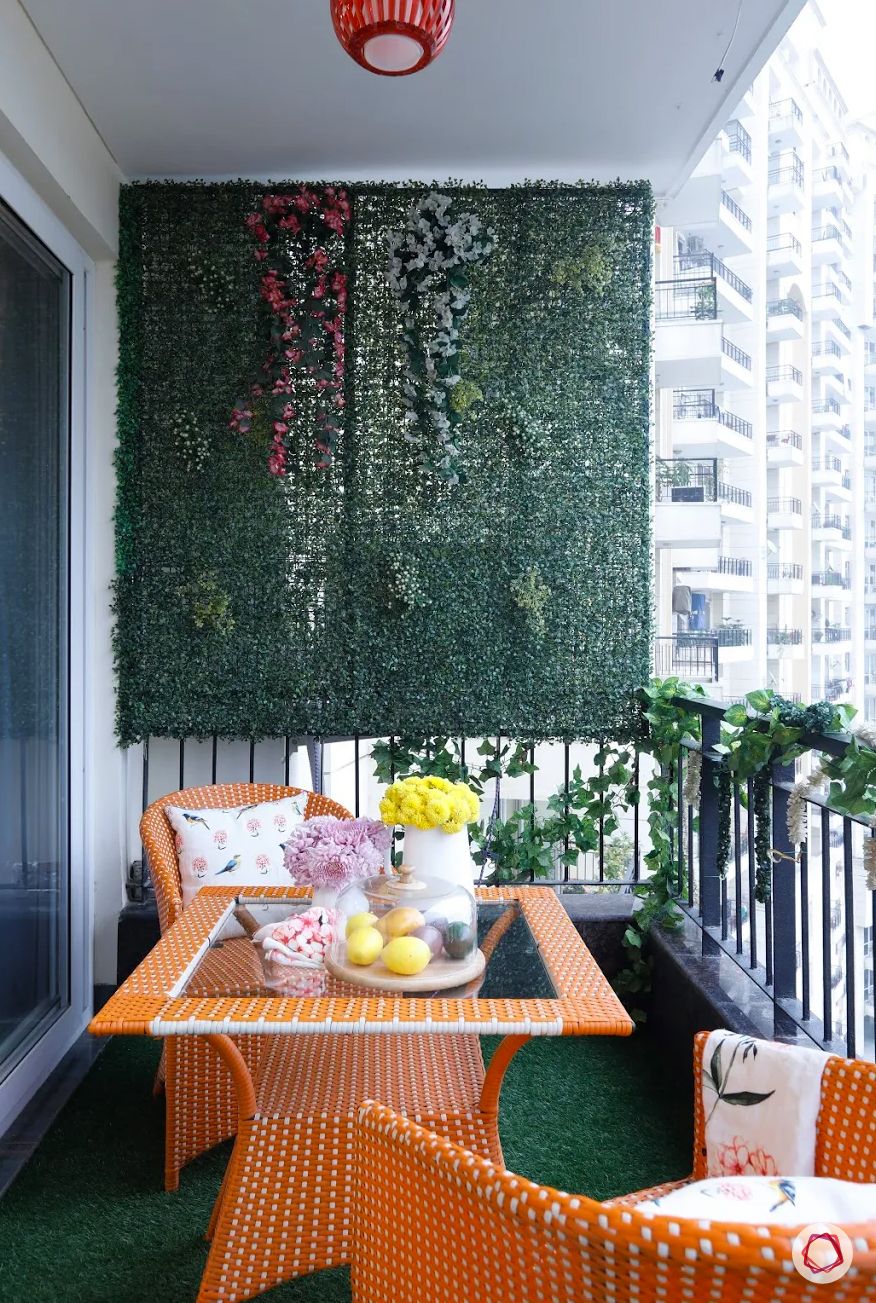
x: 35, y: 353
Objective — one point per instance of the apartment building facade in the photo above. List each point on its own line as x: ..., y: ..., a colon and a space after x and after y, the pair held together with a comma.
x: 766, y: 397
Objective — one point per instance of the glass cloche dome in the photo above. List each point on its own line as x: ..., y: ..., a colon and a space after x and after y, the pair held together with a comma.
x: 406, y: 932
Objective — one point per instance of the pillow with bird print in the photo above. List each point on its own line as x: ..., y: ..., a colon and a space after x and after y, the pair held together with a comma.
x: 761, y: 1199
x: 238, y: 847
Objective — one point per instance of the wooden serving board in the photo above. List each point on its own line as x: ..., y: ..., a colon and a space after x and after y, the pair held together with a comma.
x: 438, y: 975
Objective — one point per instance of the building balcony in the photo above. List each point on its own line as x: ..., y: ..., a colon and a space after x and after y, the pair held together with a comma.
x: 826, y: 639
x: 784, y: 255
x: 691, y: 348
x: 786, y: 130
x: 870, y: 455
x: 826, y: 414
x: 828, y: 245
x: 785, y: 183
x: 870, y: 415
x: 692, y: 503
x: 784, y: 384
x: 785, y: 448
x: 729, y: 574
x: 704, y: 207
x: 689, y: 656
x: 829, y: 186
x: 784, y: 643
x: 835, y: 329
x: 784, y: 320
x: 736, y: 167
x: 830, y: 585
x: 826, y: 300
x: 784, y: 513
x: 733, y: 295
x: 827, y: 471
x: 827, y: 358
x: 701, y: 428
x: 870, y: 358
x: 832, y: 529
x: 784, y: 578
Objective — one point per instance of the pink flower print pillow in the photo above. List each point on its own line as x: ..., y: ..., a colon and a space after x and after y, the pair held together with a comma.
x: 238, y: 847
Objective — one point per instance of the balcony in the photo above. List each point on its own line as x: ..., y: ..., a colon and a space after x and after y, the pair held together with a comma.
x: 784, y: 513
x: 828, y: 245
x: 784, y: 255
x: 834, y: 328
x: 784, y: 320
x: 827, y: 357
x: 826, y: 299
x: 832, y: 529
x: 784, y: 578
x: 687, y: 656
x: 829, y: 637
x: 785, y: 448
x: 830, y: 584
x: 703, y: 207
x: 826, y: 414
x: 732, y: 294
x: 829, y: 186
x: 736, y: 155
x: 870, y: 454
x: 729, y: 574
x: 784, y: 384
x: 702, y: 428
x: 870, y: 358
x: 785, y: 125
x: 785, y: 181
x: 784, y: 643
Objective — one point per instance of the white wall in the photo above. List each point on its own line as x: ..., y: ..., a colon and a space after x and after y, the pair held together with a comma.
x: 48, y: 137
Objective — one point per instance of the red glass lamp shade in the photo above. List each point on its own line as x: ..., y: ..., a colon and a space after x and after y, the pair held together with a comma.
x: 393, y: 37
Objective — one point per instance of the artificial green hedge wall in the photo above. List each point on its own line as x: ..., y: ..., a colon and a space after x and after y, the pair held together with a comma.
x: 372, y: 597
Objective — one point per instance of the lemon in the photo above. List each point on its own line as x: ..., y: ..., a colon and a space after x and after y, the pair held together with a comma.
x: 406, y: 955
x: 360, y: 920
x: 364, y: 945
x: 402, y: 920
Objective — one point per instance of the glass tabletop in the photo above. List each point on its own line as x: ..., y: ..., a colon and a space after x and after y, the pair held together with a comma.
x: 232, y: 964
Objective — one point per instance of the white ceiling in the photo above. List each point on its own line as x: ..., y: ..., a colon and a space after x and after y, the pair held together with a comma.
x: 547, y: 88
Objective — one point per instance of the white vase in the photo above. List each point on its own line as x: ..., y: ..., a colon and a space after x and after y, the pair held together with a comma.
x: 437, y: 854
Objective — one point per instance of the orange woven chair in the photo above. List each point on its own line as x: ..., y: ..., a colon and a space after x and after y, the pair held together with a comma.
x: 200, y: 1105
x: 435, y: 1223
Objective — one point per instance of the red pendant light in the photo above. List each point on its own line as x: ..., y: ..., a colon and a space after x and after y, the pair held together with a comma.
x: 393, y: 37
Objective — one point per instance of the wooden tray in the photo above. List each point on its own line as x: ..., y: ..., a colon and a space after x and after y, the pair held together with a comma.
x: 439, y: 975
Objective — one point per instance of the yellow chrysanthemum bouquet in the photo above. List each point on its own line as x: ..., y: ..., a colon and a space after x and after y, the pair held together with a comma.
x: 430, y: 803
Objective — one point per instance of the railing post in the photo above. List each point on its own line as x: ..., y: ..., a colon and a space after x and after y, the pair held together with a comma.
x: 783, y: 901
x: 710, y: 882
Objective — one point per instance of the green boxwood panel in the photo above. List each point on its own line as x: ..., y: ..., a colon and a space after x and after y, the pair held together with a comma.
x: 371, y: 597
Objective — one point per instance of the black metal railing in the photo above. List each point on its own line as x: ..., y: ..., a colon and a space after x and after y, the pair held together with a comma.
x: 686, y: 479
x: 738, y: 140
x: 826, y: 232
x: 788, y: 506
x: 726, y: 565
x: 829, y: 579
x: 735, y: 353
x: 777, y: 637
x: 870, y: 355
x: 730, y: 493
x: 825, y: 407
x: 786, y: 373
x: 827, y: 290
x: 684, y: 298
x: 842, y: 277
x: 831, y: 521
x: 786, y: 108
x: 704, y: 264
x: 826, y: 348
x: 784, y: 438
x: 827, y: 463
x: 829, y: 173
x: 832, y: 633
x: 733, y: 635
x: 784, y: 308
x: 784, y: 570
x: 779, y: 243
x: 687, y: 656
x: 839, y: 151
x: 786, y: 169
x: 702, y: 405
x: 841, y: 327
x: 804, y: 949
x: 739, y: 213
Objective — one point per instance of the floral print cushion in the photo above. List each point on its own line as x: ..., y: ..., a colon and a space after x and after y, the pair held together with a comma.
x: 760, y: 1102
x: 238, y: 847
x: 791, y: 1200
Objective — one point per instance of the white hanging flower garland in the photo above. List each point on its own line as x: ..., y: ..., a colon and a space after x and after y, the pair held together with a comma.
x: 427, y: 272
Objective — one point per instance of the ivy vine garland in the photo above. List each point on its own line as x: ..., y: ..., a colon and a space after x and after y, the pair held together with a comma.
x: 306, y: 327
x: 427, y: 271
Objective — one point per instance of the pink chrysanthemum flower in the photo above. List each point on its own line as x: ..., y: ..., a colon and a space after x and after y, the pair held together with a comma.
x: 329, y: 852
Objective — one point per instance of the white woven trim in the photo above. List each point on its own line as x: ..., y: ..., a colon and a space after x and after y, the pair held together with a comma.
x: 355, y: 1026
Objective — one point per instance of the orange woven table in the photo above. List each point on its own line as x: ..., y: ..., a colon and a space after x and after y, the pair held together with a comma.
x: 285, y: 1207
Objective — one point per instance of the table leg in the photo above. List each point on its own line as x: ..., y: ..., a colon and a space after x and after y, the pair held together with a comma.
x: 246, y: 1103
x: 495, y: 1073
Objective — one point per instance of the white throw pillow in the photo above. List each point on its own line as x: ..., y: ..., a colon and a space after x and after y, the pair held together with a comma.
x: 238, y: 847
x: 789, y: 1200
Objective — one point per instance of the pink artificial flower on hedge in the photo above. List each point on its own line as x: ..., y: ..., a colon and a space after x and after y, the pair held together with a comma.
x: 329, y: 852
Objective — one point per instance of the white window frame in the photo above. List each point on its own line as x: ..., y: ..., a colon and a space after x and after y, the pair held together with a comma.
x: 28, y: 1075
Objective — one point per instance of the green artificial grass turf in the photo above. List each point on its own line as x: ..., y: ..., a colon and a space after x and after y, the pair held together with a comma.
x: 87, y: 1221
